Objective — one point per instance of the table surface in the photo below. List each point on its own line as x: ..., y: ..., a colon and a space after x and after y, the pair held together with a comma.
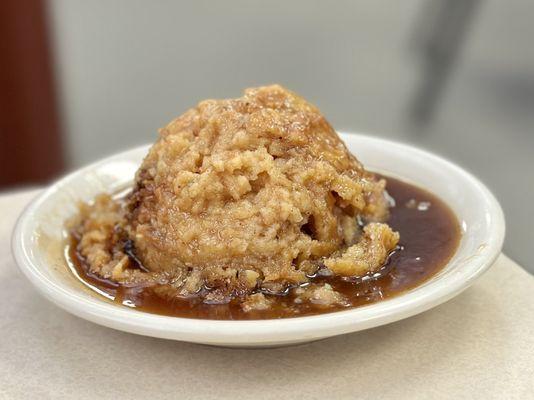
x: 478, y: 345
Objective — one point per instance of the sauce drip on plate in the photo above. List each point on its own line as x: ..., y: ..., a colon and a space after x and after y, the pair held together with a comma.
x: 429, y: 233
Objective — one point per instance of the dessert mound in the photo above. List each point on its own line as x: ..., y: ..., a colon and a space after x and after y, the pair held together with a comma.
x: 242, y: 198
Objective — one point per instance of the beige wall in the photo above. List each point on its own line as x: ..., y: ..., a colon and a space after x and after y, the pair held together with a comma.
x: 128, y: 67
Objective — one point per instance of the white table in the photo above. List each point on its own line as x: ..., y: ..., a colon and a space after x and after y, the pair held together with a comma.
x: 478, y: 345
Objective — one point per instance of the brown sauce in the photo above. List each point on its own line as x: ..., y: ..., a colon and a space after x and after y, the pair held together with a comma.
x: 429, y: 234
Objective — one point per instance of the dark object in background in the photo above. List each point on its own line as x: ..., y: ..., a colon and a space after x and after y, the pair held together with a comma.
x: 30, y: 140
x: 440, y: 33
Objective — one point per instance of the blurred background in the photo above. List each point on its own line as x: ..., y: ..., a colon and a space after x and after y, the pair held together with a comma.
x: 83, y: 79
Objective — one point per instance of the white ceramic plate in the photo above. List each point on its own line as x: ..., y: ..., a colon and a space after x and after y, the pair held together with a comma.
x: 39, y: 237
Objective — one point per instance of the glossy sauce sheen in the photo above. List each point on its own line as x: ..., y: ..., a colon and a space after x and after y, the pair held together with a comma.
x: 429, y: 236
